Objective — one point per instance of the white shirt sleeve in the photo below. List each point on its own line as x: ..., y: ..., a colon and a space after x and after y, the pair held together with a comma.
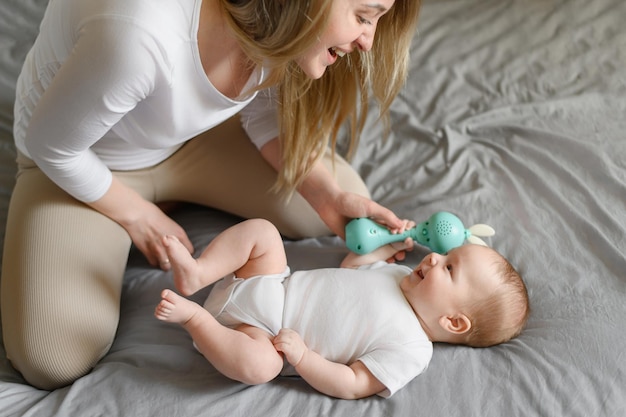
x: 89, y: 94
x: 395, y: 365
x: 260, y: 118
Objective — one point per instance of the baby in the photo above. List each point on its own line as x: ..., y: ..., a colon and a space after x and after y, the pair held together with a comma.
x: 366, y: 328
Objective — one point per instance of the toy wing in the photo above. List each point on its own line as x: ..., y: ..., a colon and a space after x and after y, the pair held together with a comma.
x: 480, y: 230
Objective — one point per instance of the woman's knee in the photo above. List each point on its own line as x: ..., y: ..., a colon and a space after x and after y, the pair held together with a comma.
x: 346, y: 176
x: 299, y: 220
x: 62, y: 273
x: 58, y: 358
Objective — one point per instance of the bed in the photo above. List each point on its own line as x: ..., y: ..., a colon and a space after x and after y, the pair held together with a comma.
x: 514, y: 114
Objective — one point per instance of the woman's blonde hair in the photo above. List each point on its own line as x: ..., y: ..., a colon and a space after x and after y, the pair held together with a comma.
x: 275, y: 33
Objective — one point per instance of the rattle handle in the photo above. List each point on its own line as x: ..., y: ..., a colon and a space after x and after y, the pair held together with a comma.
x: 364, y: 235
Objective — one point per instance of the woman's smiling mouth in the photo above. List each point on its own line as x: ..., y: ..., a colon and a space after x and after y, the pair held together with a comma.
x: 336, y: 52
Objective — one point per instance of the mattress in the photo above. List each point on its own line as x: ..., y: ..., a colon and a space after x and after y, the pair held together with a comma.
x: 514, y: 115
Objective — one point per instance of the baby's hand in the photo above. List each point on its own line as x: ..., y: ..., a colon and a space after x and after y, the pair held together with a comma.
x: 406, y: 225
x: 405, y: 245
x: 291, y: 345
x: 401, y: 249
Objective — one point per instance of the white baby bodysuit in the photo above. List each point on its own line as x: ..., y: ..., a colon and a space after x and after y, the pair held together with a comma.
x: 343, y: 314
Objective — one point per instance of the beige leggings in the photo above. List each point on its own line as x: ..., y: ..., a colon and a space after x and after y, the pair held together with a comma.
x: 63, y: 262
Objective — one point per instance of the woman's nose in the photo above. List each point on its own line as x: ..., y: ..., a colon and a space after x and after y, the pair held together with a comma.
x: 364, y: 43
x: 366, y: 39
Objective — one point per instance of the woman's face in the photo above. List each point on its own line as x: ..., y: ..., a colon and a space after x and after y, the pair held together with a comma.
x: 352, y: 24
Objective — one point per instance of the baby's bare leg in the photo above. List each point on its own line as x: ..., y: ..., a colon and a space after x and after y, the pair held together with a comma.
x: 188, y: 275
x: 252, y: 247
x: 246, y: 354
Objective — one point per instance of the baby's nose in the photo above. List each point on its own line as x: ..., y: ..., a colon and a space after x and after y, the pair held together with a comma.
x: 434, y: 258
x: 428, y: 262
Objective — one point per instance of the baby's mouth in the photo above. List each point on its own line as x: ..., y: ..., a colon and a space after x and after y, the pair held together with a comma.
x: 419, y: 274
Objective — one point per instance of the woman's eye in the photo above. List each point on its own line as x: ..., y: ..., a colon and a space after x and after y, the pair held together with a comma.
x: 363, y: 21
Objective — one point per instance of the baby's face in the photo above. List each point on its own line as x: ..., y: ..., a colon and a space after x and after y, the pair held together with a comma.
x: 443, y: 285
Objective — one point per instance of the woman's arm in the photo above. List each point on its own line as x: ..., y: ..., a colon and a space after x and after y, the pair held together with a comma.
x: 144, y: 221
x: 98, y: 83
x: 335, y: 379
x: 334, y: 205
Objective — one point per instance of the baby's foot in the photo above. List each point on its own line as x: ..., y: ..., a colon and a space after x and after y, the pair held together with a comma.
x: 184, y: 266
x: 175, y: 309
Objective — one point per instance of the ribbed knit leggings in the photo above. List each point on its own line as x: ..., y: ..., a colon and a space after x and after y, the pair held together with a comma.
x: 63, y: 262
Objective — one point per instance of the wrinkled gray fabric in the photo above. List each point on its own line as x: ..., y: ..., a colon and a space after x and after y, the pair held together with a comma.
x: 514, y: 114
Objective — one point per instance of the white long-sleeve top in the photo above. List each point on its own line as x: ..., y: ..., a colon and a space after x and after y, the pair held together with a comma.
x: 119, y: 85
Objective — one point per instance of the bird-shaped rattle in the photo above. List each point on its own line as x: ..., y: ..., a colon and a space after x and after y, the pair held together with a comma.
x: 442, y: 232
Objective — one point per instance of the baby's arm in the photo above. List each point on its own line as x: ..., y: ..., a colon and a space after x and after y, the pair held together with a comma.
x: 331, y: 378
x: 385, y: 252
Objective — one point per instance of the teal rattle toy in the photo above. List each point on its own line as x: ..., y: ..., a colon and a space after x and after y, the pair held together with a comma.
x: 442, y: 232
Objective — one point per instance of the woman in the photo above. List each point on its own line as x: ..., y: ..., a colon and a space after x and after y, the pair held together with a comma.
x: 124, y: 104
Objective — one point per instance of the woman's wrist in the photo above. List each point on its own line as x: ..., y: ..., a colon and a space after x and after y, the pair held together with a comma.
x: 320, y: 189
x: 122, y: 204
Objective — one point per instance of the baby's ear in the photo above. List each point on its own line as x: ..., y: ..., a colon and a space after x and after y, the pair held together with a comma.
x: 456, y: 324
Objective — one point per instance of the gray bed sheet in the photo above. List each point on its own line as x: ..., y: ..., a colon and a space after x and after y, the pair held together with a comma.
x: 514, y: 114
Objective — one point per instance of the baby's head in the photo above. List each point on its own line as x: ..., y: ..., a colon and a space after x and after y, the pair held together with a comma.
x: 471, y: 295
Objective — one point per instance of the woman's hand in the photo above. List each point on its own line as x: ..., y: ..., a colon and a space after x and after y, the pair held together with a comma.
x: 148, y: 231
x: 144, y: 221
x: 341, y: 207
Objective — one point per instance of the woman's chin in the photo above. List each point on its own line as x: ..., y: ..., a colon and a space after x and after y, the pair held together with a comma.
x: 313, y: 70
x: 316, y: 74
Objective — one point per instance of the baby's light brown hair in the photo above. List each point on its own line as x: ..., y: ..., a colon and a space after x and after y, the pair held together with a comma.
x: 502, y: 314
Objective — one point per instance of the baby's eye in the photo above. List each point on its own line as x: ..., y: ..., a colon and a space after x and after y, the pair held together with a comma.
x: 449, y: 267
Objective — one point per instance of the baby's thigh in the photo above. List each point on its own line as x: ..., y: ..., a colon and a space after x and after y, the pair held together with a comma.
x: 260, y: 335
x: 269, y: 359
